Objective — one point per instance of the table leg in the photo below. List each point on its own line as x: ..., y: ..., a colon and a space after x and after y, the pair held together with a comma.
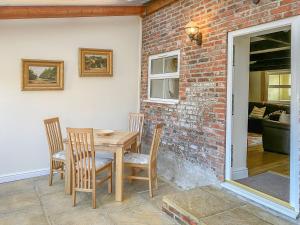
x: 119, y: 175
x: 68, y: 172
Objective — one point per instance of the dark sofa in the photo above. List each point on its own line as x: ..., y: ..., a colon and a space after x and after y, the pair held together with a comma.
x: 276, y: 137
x: 255, y: 125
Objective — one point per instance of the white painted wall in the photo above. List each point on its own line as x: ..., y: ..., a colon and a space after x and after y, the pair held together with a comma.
x: 85, y: 102
x: 240, y: 117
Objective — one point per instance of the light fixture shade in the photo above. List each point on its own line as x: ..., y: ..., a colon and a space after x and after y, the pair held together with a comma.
x: 192, y: 28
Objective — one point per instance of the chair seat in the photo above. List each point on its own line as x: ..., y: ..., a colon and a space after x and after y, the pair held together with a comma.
x: 105, y: 155
x: 61, y: 155
x: 99, y: 162
x: 136, y: 158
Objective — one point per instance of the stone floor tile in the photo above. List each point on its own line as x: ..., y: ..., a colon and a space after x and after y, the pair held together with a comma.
x: 106, y: 202
x: 145, y: 214
x: 26, y: 185
x: 56, y: 203
x: 28, y: 216
x: 266, y: 216
x: 224, y: 194
x: 42, y: 185
x: 82, y: 216
x: 158, y: 194
x: 17, y: 201
x: 198, y: 203
x: 237, y: 216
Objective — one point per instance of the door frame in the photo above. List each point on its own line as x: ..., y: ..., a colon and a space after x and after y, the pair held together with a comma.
x: 290, y: 209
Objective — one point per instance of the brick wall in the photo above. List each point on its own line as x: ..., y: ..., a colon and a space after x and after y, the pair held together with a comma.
x: 195, y: 128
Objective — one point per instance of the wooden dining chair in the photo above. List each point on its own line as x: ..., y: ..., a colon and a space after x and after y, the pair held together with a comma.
x: 56, y: 147
x: 136, y: 122
x: 85, y: 166
x: 144, y: 161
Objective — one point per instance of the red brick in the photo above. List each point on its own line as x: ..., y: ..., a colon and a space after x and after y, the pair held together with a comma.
x: 199, y: 118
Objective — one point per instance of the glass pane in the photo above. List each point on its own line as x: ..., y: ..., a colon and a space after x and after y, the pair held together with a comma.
x: 172, y: 88
x: 285, y: 79
x: 274, y: 79
x: 157, y: 66
x: 273, y: 94
x: 171, y: 64
x: 157, y: 87
x: 285, y: 94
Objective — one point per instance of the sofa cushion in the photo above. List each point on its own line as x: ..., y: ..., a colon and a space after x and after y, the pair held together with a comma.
x: 258, y: 112
x: 274, y: 115
x: 270, y: 107
x: 284, y: 118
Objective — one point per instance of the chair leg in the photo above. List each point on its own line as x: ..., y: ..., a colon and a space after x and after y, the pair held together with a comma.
x: 150, y: 185
x: 51, y: 173
x: 110, y: 179
x: 132, y: 174
x: 155, y: 182
x: 74, y: 197
x: 94, y: 198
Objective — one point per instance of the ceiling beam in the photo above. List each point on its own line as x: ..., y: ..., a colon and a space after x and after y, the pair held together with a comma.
x: 30, y: 12
x: 156, y: 5
x: 278, y: 41
x: 270, y: 50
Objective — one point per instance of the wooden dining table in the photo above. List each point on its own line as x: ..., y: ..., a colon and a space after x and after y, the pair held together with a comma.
x: 117, y: 143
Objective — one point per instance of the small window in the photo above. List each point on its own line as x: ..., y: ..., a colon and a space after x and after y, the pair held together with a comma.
x: 164, y: 77
x: 279, y: 86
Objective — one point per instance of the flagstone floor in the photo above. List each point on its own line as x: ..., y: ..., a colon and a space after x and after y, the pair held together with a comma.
x: 33, y: 202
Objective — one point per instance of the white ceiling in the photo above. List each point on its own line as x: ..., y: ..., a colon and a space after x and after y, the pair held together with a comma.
x: 71, y: 2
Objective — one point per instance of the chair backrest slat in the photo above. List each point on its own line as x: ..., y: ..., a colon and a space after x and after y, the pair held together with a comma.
x: 81, y: 144
x: 136, y: 122
x: 155, y: 143
x: 54, y: 136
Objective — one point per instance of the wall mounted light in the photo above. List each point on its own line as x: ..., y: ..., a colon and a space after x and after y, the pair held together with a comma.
x: 193, y: 31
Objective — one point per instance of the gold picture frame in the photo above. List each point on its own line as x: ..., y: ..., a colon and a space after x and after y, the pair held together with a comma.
x: 42, y: 75
x: 95, y: 62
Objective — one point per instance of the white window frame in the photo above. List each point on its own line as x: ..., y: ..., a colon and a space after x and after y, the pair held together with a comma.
x: 162, y: 76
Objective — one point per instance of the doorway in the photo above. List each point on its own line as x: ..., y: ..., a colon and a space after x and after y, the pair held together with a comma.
x: 261, y: 153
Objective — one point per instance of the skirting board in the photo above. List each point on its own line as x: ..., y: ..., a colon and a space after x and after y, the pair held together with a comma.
x: 23, y: 175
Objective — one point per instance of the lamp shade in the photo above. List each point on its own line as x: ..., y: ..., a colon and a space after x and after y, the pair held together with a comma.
x: 192, y: 28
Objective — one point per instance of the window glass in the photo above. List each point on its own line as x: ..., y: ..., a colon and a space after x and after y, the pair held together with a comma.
x: 273, y: 94
x: 285, y: 94
x: 171, y: 64
x: 164, y: 76
x: 171, y: 88
x: 157, y: 66
x: 157, y: 88
x: 279, y: 86
x: 274, y: 79
x: 285, y: 79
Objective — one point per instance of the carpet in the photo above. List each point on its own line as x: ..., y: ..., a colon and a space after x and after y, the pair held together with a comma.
x: 254, y: 139
x: 270, y: 183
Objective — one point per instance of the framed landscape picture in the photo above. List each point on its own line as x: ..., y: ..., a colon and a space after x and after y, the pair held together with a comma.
x: 39, y: 75
x: 95, y: 62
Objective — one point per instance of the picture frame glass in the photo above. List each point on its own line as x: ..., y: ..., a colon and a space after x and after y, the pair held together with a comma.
x: 39, y: 75
x: 95, y: 62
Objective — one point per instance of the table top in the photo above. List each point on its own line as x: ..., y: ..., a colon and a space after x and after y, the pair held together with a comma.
x: 117, y: 138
